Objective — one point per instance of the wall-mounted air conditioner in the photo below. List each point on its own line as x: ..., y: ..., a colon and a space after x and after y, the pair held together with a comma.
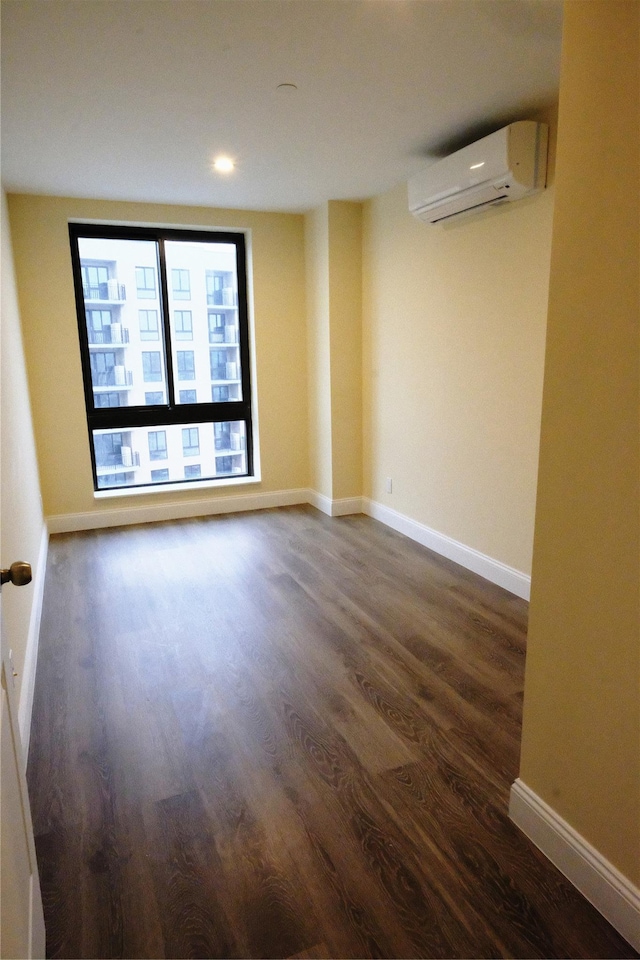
x: 507, y: 165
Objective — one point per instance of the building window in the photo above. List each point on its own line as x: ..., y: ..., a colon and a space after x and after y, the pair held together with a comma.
x: 180, y: 284
x: 183, y: 324
x: 192, y: 471
x: 99, y: 326
x: 190, y: 442
x: 220, y: 288
x: 186, y: 365
x: 216, y: 328
x: 103, y: 366
x: 146, y: 283
x: 157, y: 476
x: 151, y: 366
x: 220, y: 394
x: 108, y: 480
x: 157, y: 445
x: 95, y: 281
x: 136, y: 391
x: 108, y: 400
x: 148, y: 320
x: 109, y: 449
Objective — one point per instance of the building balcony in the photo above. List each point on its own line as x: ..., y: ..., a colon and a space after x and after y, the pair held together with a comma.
x: 109, y: 292
x: 227, y: 297
x: 127, y: 459
x: 229, y: 446
x: 114, y: 377
x: 225, y: 372
x: 110, y: 334
x: 225, y: 337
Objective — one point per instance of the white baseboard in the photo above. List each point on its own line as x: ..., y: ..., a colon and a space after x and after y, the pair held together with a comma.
x: 610, y: 892
x: 37, y: 933
x: 334, y: 508
x: 27, y: 688
x: 493, y: 570
x: 174, y: 510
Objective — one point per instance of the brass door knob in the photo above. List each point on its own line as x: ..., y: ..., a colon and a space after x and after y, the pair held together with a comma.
x: 18, y: 573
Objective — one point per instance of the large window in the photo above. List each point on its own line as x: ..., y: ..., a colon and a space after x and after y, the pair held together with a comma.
x: 133, y: 391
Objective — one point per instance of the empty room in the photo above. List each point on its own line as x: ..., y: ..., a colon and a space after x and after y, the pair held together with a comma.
x: 320, y: 478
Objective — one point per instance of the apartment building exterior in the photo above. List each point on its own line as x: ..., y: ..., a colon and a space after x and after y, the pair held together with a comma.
x: 131, y: 341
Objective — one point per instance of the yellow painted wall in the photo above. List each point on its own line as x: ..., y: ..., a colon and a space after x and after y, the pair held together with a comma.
x: 345, y: 307
x: 43, y: 267
x: 319, y: 350
x: 21, y: 519
x: 453, y: 353
x: 581, y: 735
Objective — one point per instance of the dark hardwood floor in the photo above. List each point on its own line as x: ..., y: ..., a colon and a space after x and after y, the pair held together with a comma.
x: 281, y: 735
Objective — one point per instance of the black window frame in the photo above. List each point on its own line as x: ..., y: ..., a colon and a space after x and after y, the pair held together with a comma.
x: 172, y: 412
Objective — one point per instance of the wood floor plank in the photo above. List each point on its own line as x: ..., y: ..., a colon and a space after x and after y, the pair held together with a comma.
x: 278, y: 734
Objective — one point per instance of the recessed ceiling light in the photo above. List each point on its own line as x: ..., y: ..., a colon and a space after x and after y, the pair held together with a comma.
x: 223, y: 164
x: 286, y: 87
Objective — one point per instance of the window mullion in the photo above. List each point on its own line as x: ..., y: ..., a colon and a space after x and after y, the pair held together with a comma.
x: 164, y: 310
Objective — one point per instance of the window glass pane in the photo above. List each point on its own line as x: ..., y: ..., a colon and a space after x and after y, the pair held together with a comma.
x: 186, y: 365
x: 114, y: 272
x: 139, y: 456
x: 183, y: 320
x: 180, y: 283
x: 145, y: 282
x: 157, y: 440
x: 190, y: 442
x: 208, y: 271
x: 148, y: 320
x: 151, y: 366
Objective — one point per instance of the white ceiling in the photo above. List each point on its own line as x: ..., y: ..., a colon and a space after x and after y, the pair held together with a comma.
x: 131, y: 99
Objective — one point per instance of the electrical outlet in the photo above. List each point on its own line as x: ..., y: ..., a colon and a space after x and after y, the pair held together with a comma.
x: 389, y: 485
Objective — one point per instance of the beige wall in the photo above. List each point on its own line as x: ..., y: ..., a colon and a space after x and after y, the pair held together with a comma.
x: 319, y: 347
x: 453, y: 353
x: 333, y: 240
x: 581, y: 736
x: 43, y: 266
x: 345, y: 299
x: 21, y: 519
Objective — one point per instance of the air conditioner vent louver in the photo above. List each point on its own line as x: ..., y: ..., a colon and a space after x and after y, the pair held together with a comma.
x: 507, y: 165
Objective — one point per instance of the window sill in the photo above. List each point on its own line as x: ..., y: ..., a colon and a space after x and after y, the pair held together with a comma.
x: 157, y: 488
